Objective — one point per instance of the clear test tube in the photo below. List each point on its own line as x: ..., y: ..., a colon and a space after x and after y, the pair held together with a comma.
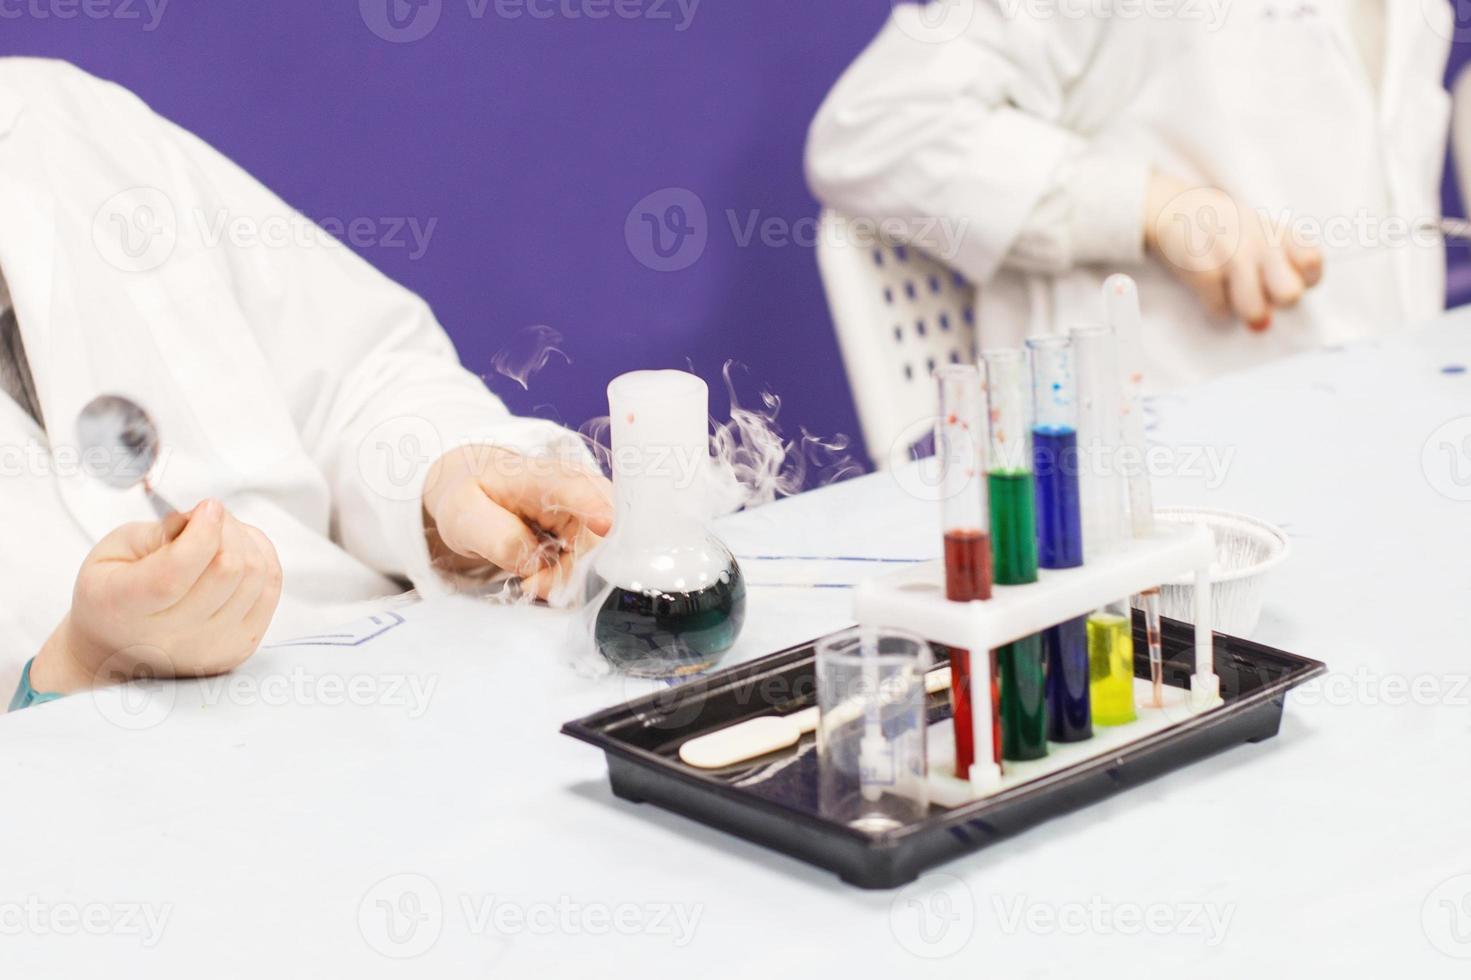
x: 1105, y: 516
x: 1021, y: 666
x: 1101, y: 479
x: 961, y: 439
x: 1121, y: 308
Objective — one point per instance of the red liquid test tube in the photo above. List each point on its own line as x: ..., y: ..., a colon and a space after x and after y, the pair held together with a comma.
x: 960, y: 447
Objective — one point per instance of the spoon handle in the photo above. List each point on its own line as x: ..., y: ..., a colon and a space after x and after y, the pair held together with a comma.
x: 161, y: 507
x: 173, y: 521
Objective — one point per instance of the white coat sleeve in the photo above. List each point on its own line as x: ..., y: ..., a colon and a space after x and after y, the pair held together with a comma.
x: 372, y: 381
x: 961, y: 138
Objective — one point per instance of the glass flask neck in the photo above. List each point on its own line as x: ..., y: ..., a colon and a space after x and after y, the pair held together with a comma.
x: 660, y: 453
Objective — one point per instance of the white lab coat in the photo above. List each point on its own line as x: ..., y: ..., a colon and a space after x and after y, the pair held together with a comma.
x: 290, y: 380
x: 1037, y: 134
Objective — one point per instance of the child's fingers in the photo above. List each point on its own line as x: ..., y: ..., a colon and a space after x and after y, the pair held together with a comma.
x: 166, y: 576
x: 1308, y: 260
x: 1285, y: 285
x: 568, y: 502
x: 221, y: 579
x: 475, y: 526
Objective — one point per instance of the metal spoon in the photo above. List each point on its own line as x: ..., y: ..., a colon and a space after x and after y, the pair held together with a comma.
x: 119, y: 430
x: 1449, y: 229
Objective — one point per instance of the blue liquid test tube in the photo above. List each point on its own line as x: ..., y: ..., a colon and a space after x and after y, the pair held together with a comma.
x: 1060, y: 530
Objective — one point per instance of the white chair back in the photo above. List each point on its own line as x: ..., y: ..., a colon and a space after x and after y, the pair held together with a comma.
x: 899, y: 314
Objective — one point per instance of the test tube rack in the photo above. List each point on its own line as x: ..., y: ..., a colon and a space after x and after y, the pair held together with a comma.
x: 914, y: 599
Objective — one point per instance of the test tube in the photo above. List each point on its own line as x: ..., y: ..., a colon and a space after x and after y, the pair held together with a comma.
x: 1059, y: 529
x: 1009, y: 481
x: 1020, y: 666
x: 1105, y: 510
x: 960, y: 445
x: 1055, y: 453
x: 1101, y: 482
x: 1121, y: 307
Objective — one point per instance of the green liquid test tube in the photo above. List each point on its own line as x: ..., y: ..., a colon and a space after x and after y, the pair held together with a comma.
x: 1013, y: 526
x: 1021, y: 666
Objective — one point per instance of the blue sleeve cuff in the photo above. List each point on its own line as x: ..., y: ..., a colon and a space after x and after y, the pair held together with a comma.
x: 25, y: 695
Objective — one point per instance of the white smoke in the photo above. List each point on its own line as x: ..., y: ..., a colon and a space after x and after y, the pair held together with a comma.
x: 528, y: 353
x: 753, y: 462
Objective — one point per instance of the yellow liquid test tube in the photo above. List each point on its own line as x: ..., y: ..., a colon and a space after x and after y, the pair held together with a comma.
x: 1105, y: 510
x: 1111, y: 668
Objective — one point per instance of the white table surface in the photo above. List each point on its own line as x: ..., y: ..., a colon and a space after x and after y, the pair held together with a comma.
x: 260, y: 827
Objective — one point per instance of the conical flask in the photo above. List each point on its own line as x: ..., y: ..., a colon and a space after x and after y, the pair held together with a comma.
x: 669, y: 595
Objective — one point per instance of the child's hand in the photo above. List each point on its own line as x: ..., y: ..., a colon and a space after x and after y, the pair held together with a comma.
x: 149, y: 603
x: 531, y: 516
x: 1225, y: 253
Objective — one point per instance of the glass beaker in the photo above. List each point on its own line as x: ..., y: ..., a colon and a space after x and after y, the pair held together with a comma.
x: 872, y: 768
x: 669, y: 595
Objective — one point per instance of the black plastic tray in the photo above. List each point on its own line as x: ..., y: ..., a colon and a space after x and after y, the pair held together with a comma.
x: 777, y: 805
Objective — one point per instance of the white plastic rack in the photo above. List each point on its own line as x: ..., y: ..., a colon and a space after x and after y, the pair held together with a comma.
x: 914, y: 599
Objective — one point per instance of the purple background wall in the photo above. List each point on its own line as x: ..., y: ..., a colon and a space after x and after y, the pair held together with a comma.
x: 529, y: 141
x: 1458, y: 254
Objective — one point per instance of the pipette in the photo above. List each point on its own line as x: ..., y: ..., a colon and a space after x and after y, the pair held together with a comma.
x: 872, y: 749
x: 763, y: 735
x: 1121, y: 311
x: 960, y: 446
